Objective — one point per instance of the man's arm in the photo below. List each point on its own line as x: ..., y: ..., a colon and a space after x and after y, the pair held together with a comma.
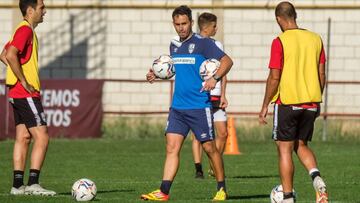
x: 322, y: 76
x: 223, y: 100
x: 14, y: 63
x: 3, y: 57
x: 272, y: 85
x: 225, y: 66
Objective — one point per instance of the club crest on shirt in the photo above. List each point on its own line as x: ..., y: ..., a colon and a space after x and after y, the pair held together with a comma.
x: 175, y: 49
x: 191, y: 48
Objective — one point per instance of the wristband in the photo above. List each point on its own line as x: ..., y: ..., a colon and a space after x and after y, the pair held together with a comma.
x: 217, y: 78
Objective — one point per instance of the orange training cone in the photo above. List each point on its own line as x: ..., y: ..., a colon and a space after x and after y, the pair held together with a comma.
x: 231, y: 146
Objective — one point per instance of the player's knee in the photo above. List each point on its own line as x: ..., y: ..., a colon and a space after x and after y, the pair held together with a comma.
x: 172, y: 149
x: 195, y: 142
x: 209, y: 147
x: 222, y: 135
x: 42, y: 141
x: 285, y: 152
x: 40, y: 134
x: 302, y: 143
x: 24, y: 138
x: 45, y: 139
x: 209, y: 150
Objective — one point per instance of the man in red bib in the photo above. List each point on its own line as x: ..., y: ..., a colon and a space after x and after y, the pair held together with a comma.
x: 295, y: 84
x: 21, y: 57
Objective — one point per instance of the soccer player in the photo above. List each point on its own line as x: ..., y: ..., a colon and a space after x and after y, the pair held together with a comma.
x: 207, y: 23
x: 295, y: 84
x: 191, y: 106
x: 21, y: 58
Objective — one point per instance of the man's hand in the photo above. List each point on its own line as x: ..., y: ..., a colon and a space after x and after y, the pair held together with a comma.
x: 150, y: 76
x: 223, y: 102
x: 262, y: 115
x: 28, y: 87
x: 209, y: 85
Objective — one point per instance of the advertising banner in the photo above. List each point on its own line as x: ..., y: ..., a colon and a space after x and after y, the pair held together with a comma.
x: 73, y: 109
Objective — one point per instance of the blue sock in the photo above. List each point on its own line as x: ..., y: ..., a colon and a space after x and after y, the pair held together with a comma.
x: 165, y: 186
x: 221, y: 184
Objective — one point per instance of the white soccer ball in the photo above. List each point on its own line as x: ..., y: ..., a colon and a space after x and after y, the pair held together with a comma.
x: 208, y: 68
x: 277, y: 195
x: 163, y: 67
x: 83, y: 190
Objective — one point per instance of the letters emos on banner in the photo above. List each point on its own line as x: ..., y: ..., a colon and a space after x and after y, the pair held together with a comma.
x: 57, y: 104
x: 73, y: 108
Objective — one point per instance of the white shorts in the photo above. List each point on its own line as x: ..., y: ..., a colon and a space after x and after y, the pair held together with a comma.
x: 219, y: 115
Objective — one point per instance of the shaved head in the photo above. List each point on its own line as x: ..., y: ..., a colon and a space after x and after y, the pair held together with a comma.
x: 285, y: 10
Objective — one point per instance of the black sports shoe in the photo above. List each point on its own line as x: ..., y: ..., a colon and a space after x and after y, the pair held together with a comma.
x: 199, y: 175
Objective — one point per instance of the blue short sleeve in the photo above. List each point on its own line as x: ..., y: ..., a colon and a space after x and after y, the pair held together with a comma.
x: 211, y: 50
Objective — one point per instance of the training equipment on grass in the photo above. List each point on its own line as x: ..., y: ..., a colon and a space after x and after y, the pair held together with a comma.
x: 163, y: 67
x: 277, y: 195
x: 208, y: 68
x: 83, y: 190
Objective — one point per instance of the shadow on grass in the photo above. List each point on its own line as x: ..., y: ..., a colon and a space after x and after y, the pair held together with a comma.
x: 253, y: 177
x: 248, y: 197
x: 101, y: 192
x: 113, y: 191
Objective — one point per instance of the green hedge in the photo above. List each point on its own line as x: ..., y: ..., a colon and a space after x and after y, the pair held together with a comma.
x: 247, y: 129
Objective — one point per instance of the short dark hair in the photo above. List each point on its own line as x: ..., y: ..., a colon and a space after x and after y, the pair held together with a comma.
x: 206, y: 18
x: 285, y: 9
x: 24, y: 5
x: 182, y: 10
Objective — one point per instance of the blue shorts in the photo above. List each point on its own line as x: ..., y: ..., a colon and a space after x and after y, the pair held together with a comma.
x: 199, y: 121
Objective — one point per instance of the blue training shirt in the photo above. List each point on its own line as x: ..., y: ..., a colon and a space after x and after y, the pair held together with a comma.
x: 188, y: 56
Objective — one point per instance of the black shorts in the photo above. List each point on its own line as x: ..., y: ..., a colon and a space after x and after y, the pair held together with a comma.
x: 293, y: 123
x: 28, y: 111
x: 215, y: 104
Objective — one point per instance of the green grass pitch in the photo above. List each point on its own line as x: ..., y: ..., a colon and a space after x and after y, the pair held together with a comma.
x: 124, y: 169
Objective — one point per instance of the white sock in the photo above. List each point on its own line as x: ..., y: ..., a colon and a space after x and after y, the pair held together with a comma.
x: 313, y: 170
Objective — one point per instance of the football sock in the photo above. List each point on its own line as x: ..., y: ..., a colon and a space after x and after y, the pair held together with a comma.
x: 165, y: 186
x: 34, y: 177
x: 289, y: 200
x: 288, y: 195
x: 314, y: 173
x: 198, y: 167
x: 221, y: 184
x: 18, y: 179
